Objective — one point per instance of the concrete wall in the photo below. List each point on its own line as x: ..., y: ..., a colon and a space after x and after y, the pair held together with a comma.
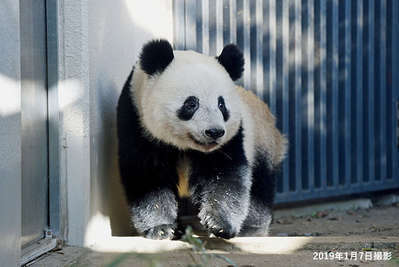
x: 10, y: 134
x: 99, y: 41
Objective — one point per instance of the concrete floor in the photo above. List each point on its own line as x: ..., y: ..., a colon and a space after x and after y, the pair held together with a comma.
x: 294, y: 241
x: 272, y: 251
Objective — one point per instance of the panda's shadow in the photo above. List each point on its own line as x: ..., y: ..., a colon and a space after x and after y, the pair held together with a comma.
x: 112, y: 202
x: 111, y: 59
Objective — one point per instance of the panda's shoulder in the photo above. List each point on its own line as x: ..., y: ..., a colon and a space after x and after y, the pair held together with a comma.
x: 266, y: 137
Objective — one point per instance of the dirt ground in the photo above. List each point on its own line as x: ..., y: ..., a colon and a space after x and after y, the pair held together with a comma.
x: 377, y: 221
x: 370, y: 231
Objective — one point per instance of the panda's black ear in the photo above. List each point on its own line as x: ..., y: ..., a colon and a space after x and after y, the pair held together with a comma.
x: 156, y: 56
x: 232, y: 60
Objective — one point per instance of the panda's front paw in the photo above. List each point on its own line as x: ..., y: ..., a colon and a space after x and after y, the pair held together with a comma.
x: 163, y: 231
x: 218, y: 226
x: 225, y: 232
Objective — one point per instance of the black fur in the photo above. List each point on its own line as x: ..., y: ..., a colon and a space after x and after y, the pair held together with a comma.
x: 259, y: 216
x: 232, y: 60
x: 223, y: 109
x: 148, y: 173
x: 156, y: 56
x: 189, y: 107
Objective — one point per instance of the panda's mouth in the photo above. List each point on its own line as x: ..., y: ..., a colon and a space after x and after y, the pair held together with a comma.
x: 206, y: 146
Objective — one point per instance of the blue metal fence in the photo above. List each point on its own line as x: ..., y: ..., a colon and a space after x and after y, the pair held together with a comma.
x: 328, y: 70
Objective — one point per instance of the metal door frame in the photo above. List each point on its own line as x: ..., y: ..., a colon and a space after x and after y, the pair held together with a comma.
x: 55, y: 193
x: 55, y: 234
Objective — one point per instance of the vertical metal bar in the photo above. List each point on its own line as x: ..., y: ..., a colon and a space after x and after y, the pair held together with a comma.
x: 266, y: 52
x: 291, y: 94
x: 246, y: 21
x: 233, y: 21
x: 318, y: 131
x: 304, y: 94
x: 259, y: 48
x: 179, y: 24
x: 226, y: 22
x: 334, y: 81
x: 395, y: 85
x: 370, y: 105
x: 240, y: 37
x: 317, y: 103
x: 365, y: 85
x: 389, y: 97
x: 347, y: 77
x: 358, y: 163
x: 205, y: 27
x: 190, y: 36
x: 353, y: 61
x: 298, y: 102
x: 219, y: 26
x: 211, y: 10
x: 383, y: 92
x: 310, y: 94
x: 279, y: 80
x: 341, y: 92
x: 285, y: 88
x: 240, y: 26
x: 329, y: 87
x: 55, y: 222
x: 272, y: 55
x: 198, y: 22
x: 377, y: 89
x: 252, y: 33
x: 323, y: 96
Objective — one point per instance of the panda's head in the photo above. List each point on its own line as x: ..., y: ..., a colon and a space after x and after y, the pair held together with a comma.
x: 189, y: 99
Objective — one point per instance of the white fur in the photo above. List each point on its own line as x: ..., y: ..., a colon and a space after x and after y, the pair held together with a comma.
x: 249, y: 138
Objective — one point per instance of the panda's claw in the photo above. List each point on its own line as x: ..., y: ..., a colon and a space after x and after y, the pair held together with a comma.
x: 225, y: 233
x: 219, y: 228
x: 163, y: 231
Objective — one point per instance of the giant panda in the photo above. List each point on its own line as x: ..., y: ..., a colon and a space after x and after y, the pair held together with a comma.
x: 186, y: 131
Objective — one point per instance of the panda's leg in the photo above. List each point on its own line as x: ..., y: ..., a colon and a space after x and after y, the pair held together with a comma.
x: 154, y: 215
x: 262, y: 196
x: 220, y: 184
x: 148, y: 173
x: 223, y: 206
x: 151, y: 200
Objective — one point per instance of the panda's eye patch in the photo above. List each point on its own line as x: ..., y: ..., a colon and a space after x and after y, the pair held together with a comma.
x: 223, y: 109
x: 190, y: 106
x: 191, y: 102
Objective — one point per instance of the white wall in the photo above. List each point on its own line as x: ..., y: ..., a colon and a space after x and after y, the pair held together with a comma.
x: 10, y: 134
x: 99, y: 41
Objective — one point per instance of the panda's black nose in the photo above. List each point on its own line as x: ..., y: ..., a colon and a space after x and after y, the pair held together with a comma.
x: 214, y: 133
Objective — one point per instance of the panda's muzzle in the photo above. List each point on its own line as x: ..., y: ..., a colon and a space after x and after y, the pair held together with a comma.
x: 206, y: 145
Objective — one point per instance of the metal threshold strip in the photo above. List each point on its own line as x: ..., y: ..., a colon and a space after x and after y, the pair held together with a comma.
x: 37, y: 249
